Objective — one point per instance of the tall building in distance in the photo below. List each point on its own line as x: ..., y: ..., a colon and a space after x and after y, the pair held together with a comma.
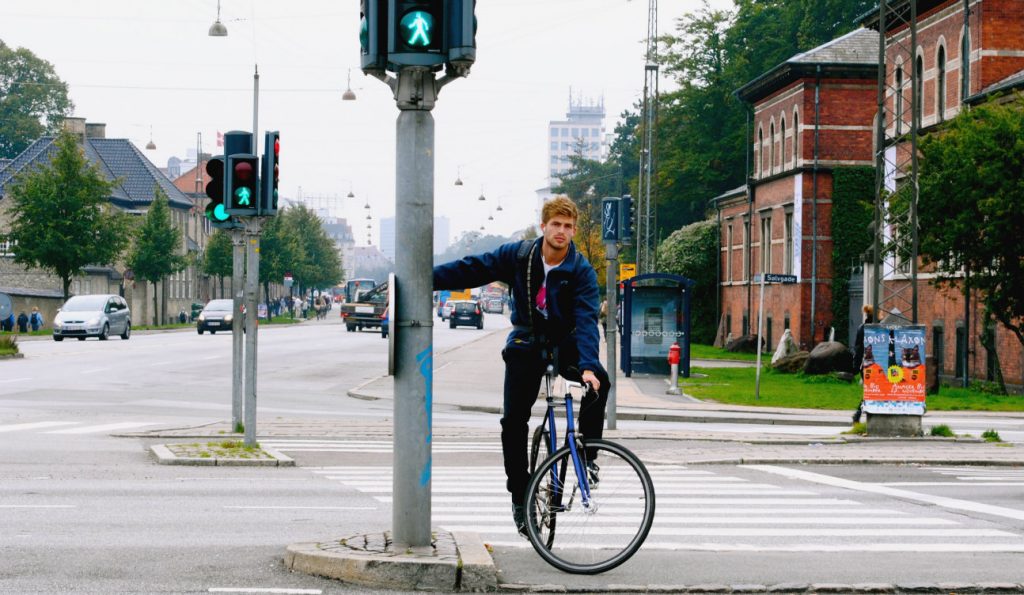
x: 581, y: 132
x: 442, y: 236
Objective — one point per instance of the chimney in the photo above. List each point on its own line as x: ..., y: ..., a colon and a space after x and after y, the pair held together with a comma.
x: 95, y: 130
x: 75, y: 126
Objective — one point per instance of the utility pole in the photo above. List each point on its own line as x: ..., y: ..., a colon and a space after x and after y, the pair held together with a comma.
x: 237, y: 294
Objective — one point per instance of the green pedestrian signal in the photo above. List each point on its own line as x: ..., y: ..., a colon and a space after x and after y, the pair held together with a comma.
x: 242, y: 183
x: 418, y: 27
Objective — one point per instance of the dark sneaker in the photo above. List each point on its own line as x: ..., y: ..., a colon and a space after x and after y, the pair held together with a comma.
x: 592, y: 474
x: 519, y: 516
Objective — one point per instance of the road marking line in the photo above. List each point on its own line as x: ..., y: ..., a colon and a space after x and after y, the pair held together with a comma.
x: 952, y: 503
x: 866, y: 547
x: 264, y: 590
x: 6, y: 380
x: 105, y: 427
x: 36, y: 425
x: 949, y: 483
x: 758, y: 532
x: 38, y: 506
x: 704, y: 520
x: 301, y: 507
x: 661, y: 501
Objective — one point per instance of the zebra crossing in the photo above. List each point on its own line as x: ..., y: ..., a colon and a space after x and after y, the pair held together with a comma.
x: 72, y: 427
x: 375, y: 446
x: 979, y: 476
x: 702, y: 510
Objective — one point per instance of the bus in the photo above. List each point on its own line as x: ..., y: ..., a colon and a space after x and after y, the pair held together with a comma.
x: 355, y: 287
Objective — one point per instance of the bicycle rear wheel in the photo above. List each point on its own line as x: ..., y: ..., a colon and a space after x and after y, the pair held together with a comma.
x: 592, y: 538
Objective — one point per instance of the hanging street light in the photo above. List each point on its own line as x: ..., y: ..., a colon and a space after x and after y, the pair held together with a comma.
x: 217, y: 29
x: 349, y: 95
x: 150, y: 146
x: 458, y: 177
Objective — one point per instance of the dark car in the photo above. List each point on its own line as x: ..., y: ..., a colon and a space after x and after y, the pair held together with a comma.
x: 466, y: 313
x: 216, y: 316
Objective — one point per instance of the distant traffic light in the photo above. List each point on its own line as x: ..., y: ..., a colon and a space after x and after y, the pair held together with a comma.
x: 416, y: 34
x: 215, y: 211
x: 373, y: 35
x: 270, y: 173
x: 627, y: 212
x: 243, y: 191
x: 611, y: 221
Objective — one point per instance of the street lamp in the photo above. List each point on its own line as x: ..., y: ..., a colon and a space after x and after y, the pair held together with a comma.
x: 217, y: 29
x: 482, y: 197
x: 349, y: 95
x: 458, y: 177
x: 150, y: 146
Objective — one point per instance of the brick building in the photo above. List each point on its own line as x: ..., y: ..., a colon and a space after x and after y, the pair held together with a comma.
x: 811, y: 114
x: 814, y: 114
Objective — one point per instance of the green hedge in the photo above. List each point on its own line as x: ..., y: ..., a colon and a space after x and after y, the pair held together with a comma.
x: 853, y: 198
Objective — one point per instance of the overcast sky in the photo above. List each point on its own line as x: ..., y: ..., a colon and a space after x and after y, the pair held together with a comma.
x: 136, y: 64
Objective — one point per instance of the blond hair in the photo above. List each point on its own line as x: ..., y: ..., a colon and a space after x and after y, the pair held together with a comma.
x: 560, y: 205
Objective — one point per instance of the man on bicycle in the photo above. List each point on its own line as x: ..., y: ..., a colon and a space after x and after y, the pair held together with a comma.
x: 554, y: 318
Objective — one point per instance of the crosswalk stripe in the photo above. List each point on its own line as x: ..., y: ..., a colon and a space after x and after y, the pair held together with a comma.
x: 757, y: 532
x: 36, y: 425
x: 808, y: 547
x: 472, y: 500
x: 709, y: 520
x: 105, y: 427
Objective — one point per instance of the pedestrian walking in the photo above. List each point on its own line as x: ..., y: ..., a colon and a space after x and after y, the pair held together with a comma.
x: 858, y: 355
x: 555, y: 312
x: 35, y: 319
x: 22, y: 322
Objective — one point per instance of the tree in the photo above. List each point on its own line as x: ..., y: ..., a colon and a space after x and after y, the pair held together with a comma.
x: 218, y: 259
x: 316, y: 264
x: 279, y: 250
x: 692, y: 252
x: 156, y: 254
x: 33, y: 100
x: 61, y: 219
x: 971, y: 207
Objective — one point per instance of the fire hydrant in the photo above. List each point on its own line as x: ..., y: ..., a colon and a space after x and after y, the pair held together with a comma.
x: 673, y: 361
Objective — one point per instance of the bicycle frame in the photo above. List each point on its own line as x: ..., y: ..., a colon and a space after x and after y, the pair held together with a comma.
x: 583, y: 479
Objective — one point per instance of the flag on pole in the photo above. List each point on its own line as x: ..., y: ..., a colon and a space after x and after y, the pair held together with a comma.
x: 220, y: 138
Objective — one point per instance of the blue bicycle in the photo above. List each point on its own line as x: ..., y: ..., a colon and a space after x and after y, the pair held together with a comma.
x: 590, y: 503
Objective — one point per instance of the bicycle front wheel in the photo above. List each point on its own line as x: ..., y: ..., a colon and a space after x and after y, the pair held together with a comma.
x: 587, y: 536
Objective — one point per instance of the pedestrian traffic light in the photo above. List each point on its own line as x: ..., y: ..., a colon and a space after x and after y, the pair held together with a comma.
x: 461, y: 34
x: 416, y: 36
x: 270, y: 173
x: 242, y: 188
x: 373, y: 35
x: 627, y: 212
x: 215, y: 211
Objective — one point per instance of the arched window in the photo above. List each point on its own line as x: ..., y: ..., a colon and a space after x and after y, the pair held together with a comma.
x: 898, y: 108
x: 771, y: 149
x: 796, y: 138
x: 940, y: 84
x: 919, y: 76
x: 965, y: 66
x: 782, y: 146
x: 760, y: 152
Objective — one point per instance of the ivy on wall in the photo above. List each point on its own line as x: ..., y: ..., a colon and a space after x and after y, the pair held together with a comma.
x: 853, y: 196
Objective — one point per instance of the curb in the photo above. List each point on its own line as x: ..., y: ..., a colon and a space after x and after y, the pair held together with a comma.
x: 859, y: 588
x: 13, y: 356
x: 454, y: 562
x: 164, y: 456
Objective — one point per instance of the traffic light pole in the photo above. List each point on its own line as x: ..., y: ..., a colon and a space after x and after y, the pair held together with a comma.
x: 610, y: 323
x: 413, y: 325
x: 237, y: 269
x: 252, y: 272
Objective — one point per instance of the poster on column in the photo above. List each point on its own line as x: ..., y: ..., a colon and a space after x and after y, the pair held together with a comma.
x: 893, y: 369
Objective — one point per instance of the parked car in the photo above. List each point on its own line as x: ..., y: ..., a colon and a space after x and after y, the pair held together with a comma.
x: 93, y: 316
x: 466, y: 313
x: 217, y: 315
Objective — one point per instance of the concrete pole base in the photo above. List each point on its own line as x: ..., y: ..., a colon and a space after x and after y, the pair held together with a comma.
x: 884, y: 425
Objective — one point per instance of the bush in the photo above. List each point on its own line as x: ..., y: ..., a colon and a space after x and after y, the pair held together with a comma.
x: 942, y: 430
x: 991, y: 436
x: 9, y: 344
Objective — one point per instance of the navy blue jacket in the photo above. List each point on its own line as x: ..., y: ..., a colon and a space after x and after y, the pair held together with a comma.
x: 571, y: 295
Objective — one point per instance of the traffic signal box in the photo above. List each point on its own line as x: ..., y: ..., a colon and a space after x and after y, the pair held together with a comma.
x: 243, y: 185
x: 429, y: 33
x: 215, y: 211
x: 627, y: 212
x: 270, y: 173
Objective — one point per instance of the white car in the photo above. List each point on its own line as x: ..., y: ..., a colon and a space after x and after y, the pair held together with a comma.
x: 93, y: 316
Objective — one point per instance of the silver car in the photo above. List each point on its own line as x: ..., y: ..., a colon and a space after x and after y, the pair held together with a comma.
x: 93, y: 316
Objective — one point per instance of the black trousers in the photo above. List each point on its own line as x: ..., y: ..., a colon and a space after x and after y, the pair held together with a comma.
x: 524, y: 371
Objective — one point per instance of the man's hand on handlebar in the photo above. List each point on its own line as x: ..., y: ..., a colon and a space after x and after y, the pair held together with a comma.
x: 591, y: 379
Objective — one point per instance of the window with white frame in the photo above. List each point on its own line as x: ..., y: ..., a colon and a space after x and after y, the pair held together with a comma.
x: 788, y: 230
x: 728, y: 252
x: 766, y: 242
x: 746, y: 248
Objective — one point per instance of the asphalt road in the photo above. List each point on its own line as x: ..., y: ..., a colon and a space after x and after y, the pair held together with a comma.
x: 82, y: 511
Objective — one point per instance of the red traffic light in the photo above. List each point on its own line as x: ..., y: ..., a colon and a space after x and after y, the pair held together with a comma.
x: 243, y: 171
x: 277, y: 146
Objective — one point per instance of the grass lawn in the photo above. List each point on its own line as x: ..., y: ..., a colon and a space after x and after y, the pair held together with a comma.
x: 709, y: 352
x: 40, y: 333
x: 735, y: 386
x: 285, y: 319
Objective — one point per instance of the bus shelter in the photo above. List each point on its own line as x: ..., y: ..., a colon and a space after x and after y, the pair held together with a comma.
x: 655, y: 314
